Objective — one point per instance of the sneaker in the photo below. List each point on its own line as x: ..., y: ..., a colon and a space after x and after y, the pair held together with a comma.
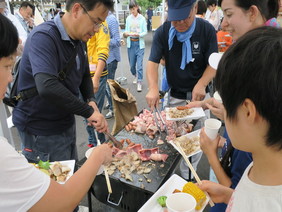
x: 135, y: 80
x: 107, y: 106
x: 139, y: 87
x: 109, y: 115
x: 90, y: 145
x: 82, y: 208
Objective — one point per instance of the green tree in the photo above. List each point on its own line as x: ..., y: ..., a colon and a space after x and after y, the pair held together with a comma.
x: 144, y: 4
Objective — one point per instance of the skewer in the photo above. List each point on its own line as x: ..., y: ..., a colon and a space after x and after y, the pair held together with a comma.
x: 105, y: 170
x: 193, y: 171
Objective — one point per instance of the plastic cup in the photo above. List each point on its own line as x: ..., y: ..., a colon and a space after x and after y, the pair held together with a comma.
x: 181, y: 202
x: 87, y: 154
x: 211, y: 128
x: 217, y: 97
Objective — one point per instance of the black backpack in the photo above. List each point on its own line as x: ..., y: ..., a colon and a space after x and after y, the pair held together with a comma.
x: 12, y: 96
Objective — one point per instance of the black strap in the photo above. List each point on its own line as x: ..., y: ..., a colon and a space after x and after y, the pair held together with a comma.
x: 63, y: 73
x: 31, y: 92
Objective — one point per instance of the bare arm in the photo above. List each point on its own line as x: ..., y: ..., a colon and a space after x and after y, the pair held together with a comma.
x: 199, y: 91
x: 216, y: 107
x: 152, y: 96
x: 210, y: 147
x: 66, y: 197
x: 96, y: 78
x: 217, y: 192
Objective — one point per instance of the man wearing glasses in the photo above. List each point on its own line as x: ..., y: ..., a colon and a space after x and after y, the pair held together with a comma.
x: 45, y: 120
x: 186, y: 43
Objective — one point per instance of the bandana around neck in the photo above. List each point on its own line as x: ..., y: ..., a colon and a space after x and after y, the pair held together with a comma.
x: 183, y: 37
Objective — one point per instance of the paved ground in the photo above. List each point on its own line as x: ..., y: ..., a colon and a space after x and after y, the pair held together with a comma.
x: 123, y: 70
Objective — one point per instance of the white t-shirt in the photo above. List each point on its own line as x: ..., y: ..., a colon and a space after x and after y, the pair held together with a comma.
x: 249, y: 196
x: 21, y: 184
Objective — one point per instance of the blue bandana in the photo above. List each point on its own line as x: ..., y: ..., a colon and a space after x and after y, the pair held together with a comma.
x: 183, y: 37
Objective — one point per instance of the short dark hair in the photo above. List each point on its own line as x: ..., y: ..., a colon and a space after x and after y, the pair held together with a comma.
x: 268, y: 8
x: 27, y: 4
x: 90, y: 4
x: 252, y: 69
x: 202, y: 7
x: 211, y: 2
x: 9, y: 37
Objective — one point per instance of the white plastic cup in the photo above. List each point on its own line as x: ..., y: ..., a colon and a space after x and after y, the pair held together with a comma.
x: 87, y: 154
x: 217, y: 97
x: 211, y: 128
x: 181, y: 202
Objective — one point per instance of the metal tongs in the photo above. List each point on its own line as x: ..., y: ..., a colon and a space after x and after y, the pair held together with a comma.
x: 157, y: 120
x: 116, y: 143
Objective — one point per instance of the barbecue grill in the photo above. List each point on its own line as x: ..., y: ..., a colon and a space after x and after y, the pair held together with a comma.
x: 130, y: 196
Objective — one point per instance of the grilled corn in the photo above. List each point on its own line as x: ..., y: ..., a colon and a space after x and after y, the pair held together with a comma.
x: 197, y: 193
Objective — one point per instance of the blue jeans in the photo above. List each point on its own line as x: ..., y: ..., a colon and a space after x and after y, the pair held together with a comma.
x: 52, y: 147
x: 112, y: 67
x: 100, y: 98
x: 135, y: 55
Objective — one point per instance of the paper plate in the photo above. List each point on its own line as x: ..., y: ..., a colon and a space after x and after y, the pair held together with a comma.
x: 197, y: 114
x: 214, y: 60
x: 174, y: 182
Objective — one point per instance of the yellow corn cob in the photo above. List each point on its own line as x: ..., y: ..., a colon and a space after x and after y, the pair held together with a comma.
x: 197, y: 193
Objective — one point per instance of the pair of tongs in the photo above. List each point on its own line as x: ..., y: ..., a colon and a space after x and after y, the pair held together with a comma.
x: 157, y: 120
x: 116, y: 143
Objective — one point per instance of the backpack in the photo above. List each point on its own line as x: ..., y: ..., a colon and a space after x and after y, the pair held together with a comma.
x: 12, y: 96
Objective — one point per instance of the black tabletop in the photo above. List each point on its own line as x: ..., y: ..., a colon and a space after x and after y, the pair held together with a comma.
x: 160, y: 170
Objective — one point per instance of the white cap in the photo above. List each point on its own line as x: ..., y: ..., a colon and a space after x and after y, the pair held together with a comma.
x: 214, y: 60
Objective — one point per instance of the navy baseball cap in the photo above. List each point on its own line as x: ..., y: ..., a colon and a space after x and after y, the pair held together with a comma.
x: 179, y: 9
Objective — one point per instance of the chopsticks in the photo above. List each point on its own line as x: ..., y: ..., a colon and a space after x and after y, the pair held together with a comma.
x: 193, y: 171
x: 105, y: 170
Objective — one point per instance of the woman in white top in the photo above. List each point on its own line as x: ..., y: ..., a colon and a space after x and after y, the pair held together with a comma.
x: 22, y: 186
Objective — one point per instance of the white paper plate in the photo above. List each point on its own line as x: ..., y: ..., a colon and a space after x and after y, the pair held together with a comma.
x: 189, y: 135
x: 70, y: 164
x: 87, y: 154
x: 214, y: 59
x: 197, y: 114
x: 174, y: 182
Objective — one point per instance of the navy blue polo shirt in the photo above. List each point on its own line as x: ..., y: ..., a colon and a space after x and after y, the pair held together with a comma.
x: 203, y: 43
x: 48, y: 50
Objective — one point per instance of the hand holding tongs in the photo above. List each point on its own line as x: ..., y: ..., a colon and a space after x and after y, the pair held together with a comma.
x: 161, y: 118
x: 116, y: 143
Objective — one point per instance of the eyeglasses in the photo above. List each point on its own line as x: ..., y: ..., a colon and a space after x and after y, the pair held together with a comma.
x: 96, y: 25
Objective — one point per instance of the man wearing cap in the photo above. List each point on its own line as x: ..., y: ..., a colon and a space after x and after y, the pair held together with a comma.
x: 186, y: 43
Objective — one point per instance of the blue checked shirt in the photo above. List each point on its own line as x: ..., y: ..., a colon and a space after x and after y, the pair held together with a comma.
x: 115, y: 38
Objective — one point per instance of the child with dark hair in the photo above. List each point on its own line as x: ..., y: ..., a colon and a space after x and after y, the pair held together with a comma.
x: 24, y: 187
x: 237, y: 22
x: 214, y: 15
x: 202, y: 8
x: 248, y: 80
